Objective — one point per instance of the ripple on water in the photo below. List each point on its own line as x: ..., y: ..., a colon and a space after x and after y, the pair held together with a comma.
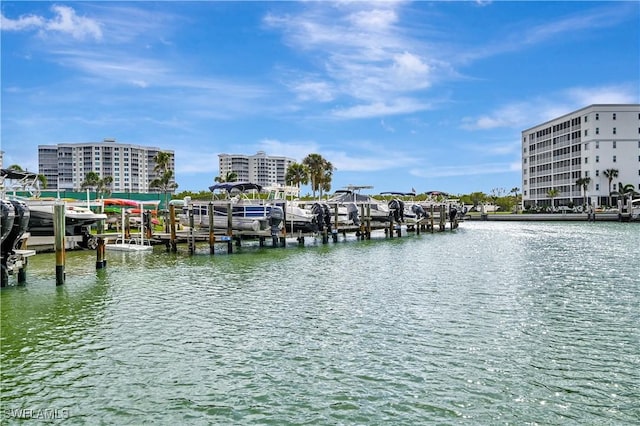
x: 495, y: 323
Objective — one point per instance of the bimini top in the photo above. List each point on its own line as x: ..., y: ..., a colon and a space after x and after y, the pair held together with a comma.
x: 238, y: 186
x: 400, y: 194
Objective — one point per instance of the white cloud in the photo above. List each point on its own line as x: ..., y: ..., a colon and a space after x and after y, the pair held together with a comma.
x: 319, y: 91
x: 379, y: 109
x: 364, y: 54
x: 65, y: 21
x: 22, y: 23
x: 520, y: 115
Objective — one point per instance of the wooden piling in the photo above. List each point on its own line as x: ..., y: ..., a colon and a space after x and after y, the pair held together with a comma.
x: 22, y: 273
x: 433, y: 212
x: 101, y: 261
x: 212, y: 235
x: 173, y: 244
x: 59, y: 231
x: 192, y: 240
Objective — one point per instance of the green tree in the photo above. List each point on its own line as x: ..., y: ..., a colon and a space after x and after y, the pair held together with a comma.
x: 610, y: 174
x: 495, y: 194
x: 515, y: 191
x: 327, y: 177
x: 100, y: 186
x: 478, y: 198
x: 552, y: 193
x: 165, y: 181
x: 297, y: 174
x: 627, y: 191
x: 229, y: 177
x: 320, y: 172
x: 583, y: 184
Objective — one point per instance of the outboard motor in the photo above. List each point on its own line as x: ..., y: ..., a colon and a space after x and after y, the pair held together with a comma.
x: 318, y: 212
x: 352, y: 211
x: 418, y: 210
x: 327, y: 216
x: 8, y: 217
x: 275, y: 219
x: 20, y: 225
x: 453, y: 212
x: 397, y: 208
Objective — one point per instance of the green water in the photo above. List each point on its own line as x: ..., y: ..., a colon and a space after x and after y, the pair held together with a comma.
x: 495, y: 323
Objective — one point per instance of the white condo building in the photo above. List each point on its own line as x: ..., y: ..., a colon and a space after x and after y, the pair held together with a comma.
x: 259, y: 168
x: 581, y: 144
x: 66, y: 165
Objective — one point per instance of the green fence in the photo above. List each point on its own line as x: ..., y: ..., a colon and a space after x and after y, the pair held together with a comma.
x: 82, y: 196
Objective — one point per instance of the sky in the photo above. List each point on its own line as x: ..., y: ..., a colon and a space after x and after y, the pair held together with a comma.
x: 396, y: 95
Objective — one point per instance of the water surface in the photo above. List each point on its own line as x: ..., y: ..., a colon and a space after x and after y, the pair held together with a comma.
x: 495, y: 323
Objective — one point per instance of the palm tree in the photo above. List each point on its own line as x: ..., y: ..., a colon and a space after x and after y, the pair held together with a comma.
x: 42, y: 179
x: 327, y: 176
x: 515, y: 191
x: 552, y: 193
x: 165, y: 181
x: 101, y: 186
x: 297, y: 174
x: 627, y: 190
x: 583, y: 183
x: 610, y: 174
x: 229, y: 177
x: 316, y: 166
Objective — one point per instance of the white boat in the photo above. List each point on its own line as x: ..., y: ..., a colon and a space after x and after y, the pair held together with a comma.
x: 404, y: 209
x: 296, y: 218
x: 635, y: 209
x: 247, y: 214
x: 350, y: 202
x: 76, y: 216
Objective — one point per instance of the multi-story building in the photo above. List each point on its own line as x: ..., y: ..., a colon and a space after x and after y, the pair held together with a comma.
x: 66, y: 165
x: 260, y: 168
x: 587, y: 143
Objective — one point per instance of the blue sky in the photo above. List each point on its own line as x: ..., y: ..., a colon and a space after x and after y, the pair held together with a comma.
x: 397, y: 95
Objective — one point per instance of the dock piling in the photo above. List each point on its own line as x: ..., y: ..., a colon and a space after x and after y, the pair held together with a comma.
x: 59, y: 231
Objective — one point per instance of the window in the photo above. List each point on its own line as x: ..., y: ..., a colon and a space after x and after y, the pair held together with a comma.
x: 586, y: 160
x: 614, y: 158
x: 597, y: 144
x: 586, y: 146
x: 597, y: 158
x: 586, y: 173
x: 586, y: 132
x: 614, y: 115
x: 597, y: 187
x: 597, y: 116
x: 597, y: 173
x: 614, y: 144
x: 597, y: 130
x: 614, y: 131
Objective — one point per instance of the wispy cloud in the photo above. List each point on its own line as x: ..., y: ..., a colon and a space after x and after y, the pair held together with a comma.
x: 520, y: 115
x: 65, y: 20
x: 363, y: 56
x: 530, y: 34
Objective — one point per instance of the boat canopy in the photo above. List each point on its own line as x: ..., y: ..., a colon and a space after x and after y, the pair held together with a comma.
x: 238, y: 186
x: 399, y: 194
